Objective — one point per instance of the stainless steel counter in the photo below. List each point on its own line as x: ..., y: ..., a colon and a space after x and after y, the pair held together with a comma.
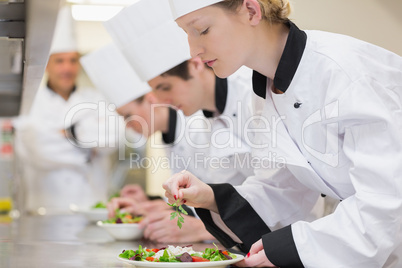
x: 62, y: 241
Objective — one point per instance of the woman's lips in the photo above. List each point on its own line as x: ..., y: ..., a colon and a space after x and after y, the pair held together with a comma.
x: 209, y: 62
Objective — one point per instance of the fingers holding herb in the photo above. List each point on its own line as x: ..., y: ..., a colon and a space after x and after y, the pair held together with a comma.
x: 178, y: 186
x: 188, y: 187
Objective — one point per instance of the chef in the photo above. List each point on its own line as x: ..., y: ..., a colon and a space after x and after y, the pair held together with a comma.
x: 191, y: 86
x: 65, y: 142
x: 142, y: 111
x: 340, y: 133
x: 112, y: 74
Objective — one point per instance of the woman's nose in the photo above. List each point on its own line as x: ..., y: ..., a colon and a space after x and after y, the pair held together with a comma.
x: 195, y: 47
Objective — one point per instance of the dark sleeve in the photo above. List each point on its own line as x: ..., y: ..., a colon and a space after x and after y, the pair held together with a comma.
x: 222, y: 237
x: 188, y: 210
x: 71, y: 134
x: 280, y: 248
x: 237, y: 214
x: 170, y: 136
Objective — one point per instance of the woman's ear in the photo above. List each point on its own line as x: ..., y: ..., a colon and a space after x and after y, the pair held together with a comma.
x: 253, y: 9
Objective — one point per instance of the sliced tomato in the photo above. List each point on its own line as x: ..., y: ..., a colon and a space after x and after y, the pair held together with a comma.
x: 149, y: 258
x: 148, y: 250
x: 225, y: 252
x: 198, y: 259
x: 155, y: 250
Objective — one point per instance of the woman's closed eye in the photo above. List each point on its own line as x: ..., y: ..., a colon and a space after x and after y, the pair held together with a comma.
x: 205, y: 31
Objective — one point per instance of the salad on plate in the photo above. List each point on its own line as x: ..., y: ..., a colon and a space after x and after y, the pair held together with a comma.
x: 123, y: 217
x: 177, y: 254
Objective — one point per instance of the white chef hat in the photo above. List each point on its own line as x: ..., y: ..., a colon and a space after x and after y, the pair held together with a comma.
x: 64, y: 39
x: 183, y: 7
x: 149, y: 38
x: 112, y: 74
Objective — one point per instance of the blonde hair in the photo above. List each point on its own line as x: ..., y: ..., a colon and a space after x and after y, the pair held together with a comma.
x: 274, y: 11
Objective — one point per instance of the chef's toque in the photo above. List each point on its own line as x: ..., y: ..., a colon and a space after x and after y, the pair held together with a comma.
x: 64, y: 37
x: 149, y: 38
x: 112, y: 74
x: 183, y: 7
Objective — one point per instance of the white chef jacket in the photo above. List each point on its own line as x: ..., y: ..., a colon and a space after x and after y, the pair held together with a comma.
x: 184, y: 146
x: 58, y: 172
x: 212, y: 145
x: 340, y: 134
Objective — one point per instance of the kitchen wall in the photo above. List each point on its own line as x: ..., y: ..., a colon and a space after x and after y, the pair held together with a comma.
x: 375, y: 21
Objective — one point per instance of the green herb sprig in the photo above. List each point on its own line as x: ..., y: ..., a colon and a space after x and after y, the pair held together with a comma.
x: 178, y: 213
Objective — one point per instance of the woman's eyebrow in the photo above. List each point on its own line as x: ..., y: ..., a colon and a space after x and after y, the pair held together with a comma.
x: 193, y: 21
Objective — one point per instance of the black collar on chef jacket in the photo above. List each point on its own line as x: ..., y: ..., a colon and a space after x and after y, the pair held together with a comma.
x: 221, y: 94
x: 170, y: 136
x: 288, y: 63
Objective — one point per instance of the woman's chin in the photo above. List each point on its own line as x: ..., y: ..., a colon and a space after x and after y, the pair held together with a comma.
x: 222, y: 72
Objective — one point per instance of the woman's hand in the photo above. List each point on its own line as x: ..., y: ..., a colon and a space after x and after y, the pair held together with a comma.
x: 188, y: 188
x: 256, y: 257
x: 159, y: 228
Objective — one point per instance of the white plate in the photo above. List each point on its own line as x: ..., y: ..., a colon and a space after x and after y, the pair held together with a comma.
x: 214, y: 264
x: 122, y: 231
x: 92, y: 214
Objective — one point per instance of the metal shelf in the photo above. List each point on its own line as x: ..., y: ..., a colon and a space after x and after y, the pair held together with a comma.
x: 41, y: 16
x: 29, y: 26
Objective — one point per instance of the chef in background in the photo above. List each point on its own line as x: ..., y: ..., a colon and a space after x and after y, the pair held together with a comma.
x: 64, y: 143
x: 112, y: 74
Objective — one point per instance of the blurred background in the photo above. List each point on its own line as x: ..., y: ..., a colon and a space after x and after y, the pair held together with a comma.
x: 26, y: 30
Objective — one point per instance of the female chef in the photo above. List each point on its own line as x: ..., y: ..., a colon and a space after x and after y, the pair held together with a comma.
x: 191, y: 86
x: 340, y: 133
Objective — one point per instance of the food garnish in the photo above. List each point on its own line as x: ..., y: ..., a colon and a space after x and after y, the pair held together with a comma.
x: 178, y: 213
